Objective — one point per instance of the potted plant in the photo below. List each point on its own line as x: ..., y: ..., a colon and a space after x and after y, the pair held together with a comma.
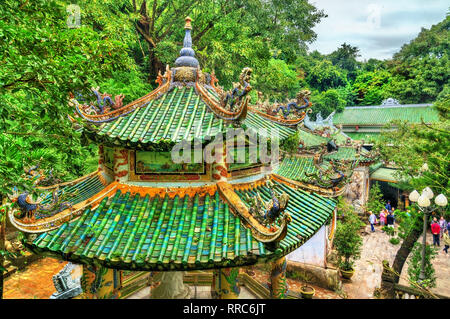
x: 306, y: 290
x: 348, y: 242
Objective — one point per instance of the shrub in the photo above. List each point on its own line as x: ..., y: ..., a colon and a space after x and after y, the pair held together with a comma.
x: 415, y: 265
x: 394, y: 241
x: 347, y: 240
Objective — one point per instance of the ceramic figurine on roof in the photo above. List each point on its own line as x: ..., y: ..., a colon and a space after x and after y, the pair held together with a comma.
x: 154, y: 205
x: 290, y: 114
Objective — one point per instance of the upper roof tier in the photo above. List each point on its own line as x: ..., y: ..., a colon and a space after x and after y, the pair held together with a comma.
x: 187, y: 104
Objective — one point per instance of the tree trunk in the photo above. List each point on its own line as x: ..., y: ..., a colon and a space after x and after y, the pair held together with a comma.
x: 401, y: 256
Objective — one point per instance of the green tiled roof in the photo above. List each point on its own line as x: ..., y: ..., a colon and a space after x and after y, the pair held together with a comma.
x: 346, y: 154
x: 367, y: 137
x: 311, y: 139
x: 79, y: 192
x: 256, y: 121
x: 385, y: 174
x: 296, y: 167
x: 152, y: 233
x: 381, y: 115
x: 177, y: 115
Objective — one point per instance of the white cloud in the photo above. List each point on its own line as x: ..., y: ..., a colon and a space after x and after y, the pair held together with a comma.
x: 377, y: 28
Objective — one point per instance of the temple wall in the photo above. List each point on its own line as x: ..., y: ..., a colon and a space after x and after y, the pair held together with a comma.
x: 314, y: 251
x: 357, y: 191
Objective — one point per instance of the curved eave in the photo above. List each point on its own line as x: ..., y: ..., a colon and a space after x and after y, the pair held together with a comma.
x: 327, y: 192
x: 278, y: 120
x: 147, y: 233
x: 90, y: 189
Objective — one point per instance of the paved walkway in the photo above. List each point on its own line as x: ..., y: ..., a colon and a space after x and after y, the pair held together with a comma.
x: 367, y: 277
x: 441, y: 265
x: 35, y: 282
x: 376, y: 248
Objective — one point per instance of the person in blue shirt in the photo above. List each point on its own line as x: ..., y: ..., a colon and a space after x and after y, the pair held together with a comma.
x: 388, y: 206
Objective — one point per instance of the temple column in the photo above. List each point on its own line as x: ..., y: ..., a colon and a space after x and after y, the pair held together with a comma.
x: 120, y: 164
x: 225, y: 283
x: 99, y: 282
x: 220, y: 165
x: 278, y: 284
x: 170, y: 285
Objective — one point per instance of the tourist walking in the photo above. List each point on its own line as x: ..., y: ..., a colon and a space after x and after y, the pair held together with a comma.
x: 446, y: 241
x: 390, y: 220
x: 443, y: 225
x: 436, y: 231
x: 372, y: 220
x: 382, y: 218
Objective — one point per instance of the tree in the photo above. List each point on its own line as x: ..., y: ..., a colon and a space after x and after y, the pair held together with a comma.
x: 375, y: 202
x: 369, y: 87
x: 415, y: 265
x: 347, y: 240
x: 44, y: 61
x: 227, y: 36
x: 414, y: 145
x: 277, y: 80
x: 324, y: 75
x: 420, y: 68
x: 345, y: 58
x: 327, y: 102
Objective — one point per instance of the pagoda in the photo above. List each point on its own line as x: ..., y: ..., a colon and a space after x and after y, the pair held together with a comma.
x: 143, y: 211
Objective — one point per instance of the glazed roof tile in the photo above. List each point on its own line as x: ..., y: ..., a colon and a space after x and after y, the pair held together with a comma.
x: 177, y: 115
x: 130, y: 231
x: 381, y: 115
x: 296, y: 168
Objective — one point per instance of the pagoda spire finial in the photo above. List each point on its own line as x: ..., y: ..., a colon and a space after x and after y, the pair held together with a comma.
x: 187, y: 54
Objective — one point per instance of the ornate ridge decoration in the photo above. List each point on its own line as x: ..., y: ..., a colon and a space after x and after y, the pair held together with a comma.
x: 335, y: 177
x: 326, y: 192
x: 259, y: 231
x: 279, y: 120
x: 164, y: 82
x: 272, y: 112
x: 218, y: 107
x: 64, y: 216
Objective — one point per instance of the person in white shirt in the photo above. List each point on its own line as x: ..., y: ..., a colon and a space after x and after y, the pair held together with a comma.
x: 372, y: 220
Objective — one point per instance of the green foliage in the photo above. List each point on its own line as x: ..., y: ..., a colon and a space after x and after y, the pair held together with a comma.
x: 345, y: 57
x: 327, y: 102
x: 420, y: 69
x: 415, y: 265
x: 44, y: 61
x: 347, y: 240
x: 394, y: 241
x: 389, y: 231
x: 324, y: 75
x: 277, y: 80
x: 130, y: 83
x: 375, y: 202
x: 412, y: 145
x: 369, y: 87
x: 291, y: 144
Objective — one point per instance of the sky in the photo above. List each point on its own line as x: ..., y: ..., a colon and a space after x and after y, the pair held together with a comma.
x: 378, y: 28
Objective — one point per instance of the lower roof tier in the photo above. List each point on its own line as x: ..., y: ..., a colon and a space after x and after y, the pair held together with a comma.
x: 159, y: 231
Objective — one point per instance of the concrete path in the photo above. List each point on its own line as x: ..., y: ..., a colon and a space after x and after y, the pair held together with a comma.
x: 367, y: 277
x: 376, y: 248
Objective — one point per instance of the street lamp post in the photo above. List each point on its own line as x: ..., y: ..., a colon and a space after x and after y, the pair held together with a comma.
x: 424, y: 203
